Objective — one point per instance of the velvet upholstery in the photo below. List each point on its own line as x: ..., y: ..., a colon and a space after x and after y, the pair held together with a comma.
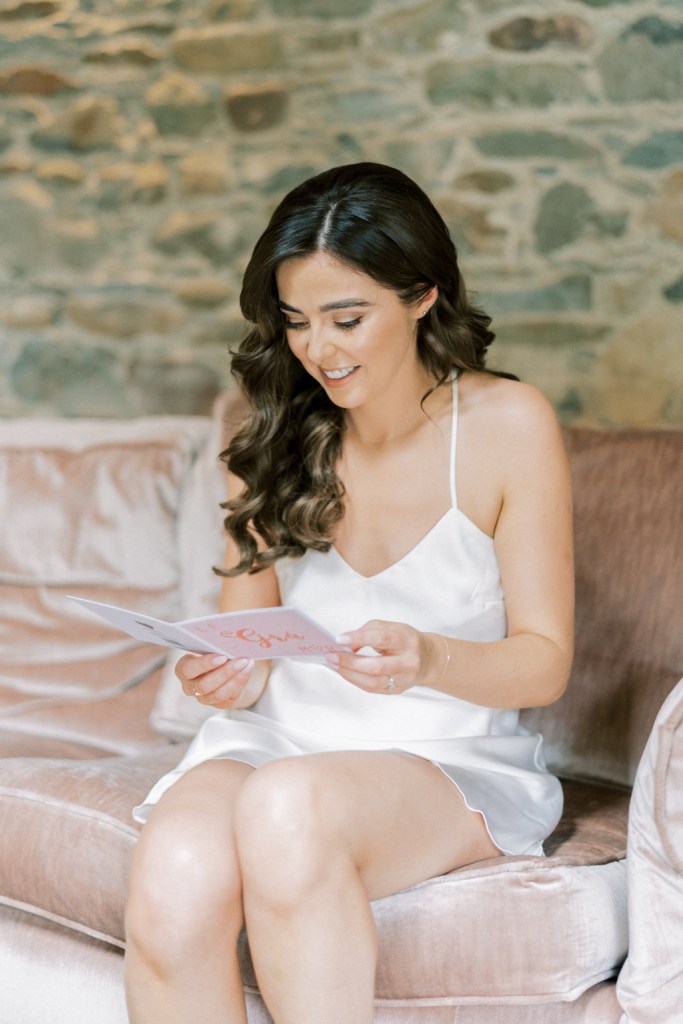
x: 651, y: 983
x: 89, y: 719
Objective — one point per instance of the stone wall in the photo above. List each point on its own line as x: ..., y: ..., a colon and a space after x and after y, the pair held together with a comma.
x: 143, y: 145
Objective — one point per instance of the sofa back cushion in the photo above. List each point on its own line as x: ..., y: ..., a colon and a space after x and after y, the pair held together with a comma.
x: 89, y: 508
x: 628, y: 500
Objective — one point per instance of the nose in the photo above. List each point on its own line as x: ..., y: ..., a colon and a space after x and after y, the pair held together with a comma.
x: 319, y: 344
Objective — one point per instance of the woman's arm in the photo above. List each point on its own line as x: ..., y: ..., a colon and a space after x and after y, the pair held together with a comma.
x: 219, y: 681
x: 533, y: 540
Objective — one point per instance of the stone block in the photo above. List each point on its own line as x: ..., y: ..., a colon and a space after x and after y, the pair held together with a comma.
x: 563, y: 214
x: 124, y: 51
x: 321, y: 8
x: 24, y: 236
x: 75, y: 379
x: 256, y: 107
x: 425, y: 161
x: 15, y: 163
x: 124, y: 311
x: 91, y: 122
x: 179, y: 105
x: 551, y: 333
x: 524, y: 34
x: 674, y: 291
x: 31, y: 311
x: 33, y: 81
x: 534, y: 144
x: 60, y: 172
x: 78, y: 242
x: 645, y: 62
x: 638, y: 374
x: 490, y: 181
x: 218, y: 239
x: 24, y: 9
x: 490, y: 85
x: 661, y: 149
x: 667, y: 210
x: 226, y: 50
x: 421, y: 27
x: 180, y: 387
x: 204, y: 172
x: 230, y: 10
x: 132, y: 183
x: 205, y: 292
x: 573, y: 292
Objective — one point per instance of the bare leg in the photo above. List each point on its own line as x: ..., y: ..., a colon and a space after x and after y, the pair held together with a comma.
x: 317, y: 838
x: 185, y: 912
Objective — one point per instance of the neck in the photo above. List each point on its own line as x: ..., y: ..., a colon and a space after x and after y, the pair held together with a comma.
x: 399, y: 415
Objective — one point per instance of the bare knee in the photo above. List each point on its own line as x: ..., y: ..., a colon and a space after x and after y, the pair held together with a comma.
x: 185, y: 887
x: 286, y: 833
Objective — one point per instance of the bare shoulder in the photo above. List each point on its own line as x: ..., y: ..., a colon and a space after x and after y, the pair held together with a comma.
x: 512, y: 412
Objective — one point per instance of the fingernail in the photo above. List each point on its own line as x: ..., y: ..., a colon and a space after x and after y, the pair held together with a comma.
x: 220, y: 659
x: 332, y: 660
x: 241, y: 663
x: 343, y: 638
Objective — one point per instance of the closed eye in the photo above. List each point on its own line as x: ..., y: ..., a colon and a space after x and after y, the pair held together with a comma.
x: 347, y: 325
x: 295, y: 325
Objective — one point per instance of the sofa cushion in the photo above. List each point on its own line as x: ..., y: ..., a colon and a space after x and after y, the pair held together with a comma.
x: 650, y: 987
x: 72, y: 821
x: 89, y: 508
x: 628, y: 495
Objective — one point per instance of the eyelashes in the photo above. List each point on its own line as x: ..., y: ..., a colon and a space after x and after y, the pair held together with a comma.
x: 343, y: 325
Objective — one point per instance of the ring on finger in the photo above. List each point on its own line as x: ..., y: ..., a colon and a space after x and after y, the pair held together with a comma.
x: 391, y: 685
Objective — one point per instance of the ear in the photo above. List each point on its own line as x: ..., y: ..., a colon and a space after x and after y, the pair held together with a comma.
x: 427, y: 302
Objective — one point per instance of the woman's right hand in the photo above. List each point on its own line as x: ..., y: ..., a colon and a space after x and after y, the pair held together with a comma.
x: 217, y: 681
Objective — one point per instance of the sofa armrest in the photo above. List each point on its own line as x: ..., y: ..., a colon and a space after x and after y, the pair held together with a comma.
x: 650, y: 986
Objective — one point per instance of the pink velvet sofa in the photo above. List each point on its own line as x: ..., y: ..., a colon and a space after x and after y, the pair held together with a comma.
x: 127, y: 513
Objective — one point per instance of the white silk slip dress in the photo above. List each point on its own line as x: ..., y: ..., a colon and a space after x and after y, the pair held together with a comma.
x: 449, y: 583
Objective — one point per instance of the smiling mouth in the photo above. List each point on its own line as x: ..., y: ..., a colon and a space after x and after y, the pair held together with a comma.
x: 339, y: 374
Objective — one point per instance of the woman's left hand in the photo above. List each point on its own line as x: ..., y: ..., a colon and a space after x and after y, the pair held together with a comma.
x: 405, y: 657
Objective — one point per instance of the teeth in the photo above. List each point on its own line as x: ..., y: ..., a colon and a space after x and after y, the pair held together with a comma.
x: 339, y: 374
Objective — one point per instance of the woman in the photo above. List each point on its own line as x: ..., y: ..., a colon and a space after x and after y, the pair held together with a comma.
x: 416, y: 504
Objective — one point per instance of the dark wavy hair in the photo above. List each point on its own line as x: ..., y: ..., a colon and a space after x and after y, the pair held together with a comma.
x: 378, y: 221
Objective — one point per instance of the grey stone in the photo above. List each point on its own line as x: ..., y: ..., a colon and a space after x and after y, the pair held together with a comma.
x: 527, y: 33
x: 674, y: 291
x: 549, y: 332
x: 255, y: 108
x: 33, y: 80
x: 573, y: 292
x: 126, y: 51
x: 287, y: 178
x: 419, y: 27
x: 563, y: 214
x: 424, y: 161
x: 490, y: 181
x: 216, y: 238
x: 179, y: 105
x: 645, y: 63
x: 25, y: 9
x: 657, y: 30
x: 321, y: 8
x: 91, y: 122
x: 661, y: 149
x: 531, y: 144
x: 76, y: 379
x: 122, y: 311
x: 497, y: 85
x: 132, y: 183
x: 178, y: 388
x: 226, y: 50
x: 79, y: 242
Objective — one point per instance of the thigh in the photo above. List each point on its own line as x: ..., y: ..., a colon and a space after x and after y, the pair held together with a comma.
x: 400, y: 817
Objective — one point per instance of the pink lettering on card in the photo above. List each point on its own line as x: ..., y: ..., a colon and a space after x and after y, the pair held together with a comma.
x: 265, y: 640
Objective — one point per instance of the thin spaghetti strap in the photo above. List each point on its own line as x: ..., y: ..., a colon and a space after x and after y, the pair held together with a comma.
x: 454, y: 437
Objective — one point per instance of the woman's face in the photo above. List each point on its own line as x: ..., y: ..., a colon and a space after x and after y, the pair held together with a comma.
x: 354, y: 336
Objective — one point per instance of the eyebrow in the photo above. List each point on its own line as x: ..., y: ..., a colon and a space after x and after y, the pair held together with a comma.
x: 340, y: 304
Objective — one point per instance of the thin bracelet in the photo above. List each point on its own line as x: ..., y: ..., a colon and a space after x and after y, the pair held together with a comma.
x: 448, y: 659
